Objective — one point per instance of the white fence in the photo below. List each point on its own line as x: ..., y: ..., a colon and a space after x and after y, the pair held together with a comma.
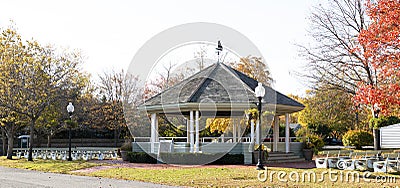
x: 78, y: 153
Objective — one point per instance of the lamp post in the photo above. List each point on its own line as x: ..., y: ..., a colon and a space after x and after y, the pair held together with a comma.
x: 260, y: 92
x: 70, y: 110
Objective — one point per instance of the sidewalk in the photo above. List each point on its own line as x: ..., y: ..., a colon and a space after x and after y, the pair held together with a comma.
x: 19, y: 178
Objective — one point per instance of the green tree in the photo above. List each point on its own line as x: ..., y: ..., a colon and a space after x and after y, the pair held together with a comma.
x: 33, y: 76
x: 51, y: 121
x: 328, y: 111
x: 10, y: 123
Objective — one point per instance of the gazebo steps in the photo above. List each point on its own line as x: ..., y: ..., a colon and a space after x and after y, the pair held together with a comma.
x: 283, y: 157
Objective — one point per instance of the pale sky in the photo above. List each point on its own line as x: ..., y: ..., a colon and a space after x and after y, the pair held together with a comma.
x: 110, y: 32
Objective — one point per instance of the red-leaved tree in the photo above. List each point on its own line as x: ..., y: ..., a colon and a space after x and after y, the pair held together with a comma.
x: 381, y: 49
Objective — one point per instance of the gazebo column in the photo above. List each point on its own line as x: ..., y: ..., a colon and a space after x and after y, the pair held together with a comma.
x: 153, y: 132
x: 287, y: 133
x: 252, y: 132
x: 197, y: 132
x: 233, y: 122
x: 276, y: 133
x: 191, y: 124
x: 239, y: 134
x: 187, y: 130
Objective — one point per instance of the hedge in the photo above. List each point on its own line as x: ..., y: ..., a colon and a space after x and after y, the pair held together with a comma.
x: 358, y: 138
x: 186, y: 158
x: 141, y: 157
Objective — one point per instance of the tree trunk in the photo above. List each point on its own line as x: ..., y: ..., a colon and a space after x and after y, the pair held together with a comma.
x: 48, y: 141
x: 115, y: 137
x: 376, y: 132
x: 10, y: 146
x: 31, y: 129
x: 4, y: 140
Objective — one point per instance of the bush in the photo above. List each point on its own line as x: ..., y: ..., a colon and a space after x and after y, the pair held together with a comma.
x: 141, y: 157
x: 230, y: 159
x: 186, y: 158
x: 314, y: 142
x: 201, y: 158
x: 358, y: 138
x: 382, y: 121
x: 310, y: 140
x: 127, y: 146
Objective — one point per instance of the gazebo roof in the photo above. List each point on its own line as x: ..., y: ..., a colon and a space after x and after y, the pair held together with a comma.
x: 221, y: 87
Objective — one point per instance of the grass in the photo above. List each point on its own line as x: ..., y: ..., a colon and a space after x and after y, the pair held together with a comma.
x: 241, y: 177
x: 63, y: 167
x: 207, y: 176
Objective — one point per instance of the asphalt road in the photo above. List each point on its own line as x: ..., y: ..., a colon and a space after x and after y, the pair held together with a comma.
x: 10, y: 177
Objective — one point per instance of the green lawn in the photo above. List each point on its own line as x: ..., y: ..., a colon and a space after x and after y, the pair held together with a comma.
x: 210, y: 176
x: 240, y: 177
x: 47, y: 165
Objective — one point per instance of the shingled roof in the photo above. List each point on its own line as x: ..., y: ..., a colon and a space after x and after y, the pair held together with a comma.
x: 220, y: 84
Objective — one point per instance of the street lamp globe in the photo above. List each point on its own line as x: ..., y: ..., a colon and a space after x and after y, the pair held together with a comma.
x: 70, y: 108
x: 260, y: 90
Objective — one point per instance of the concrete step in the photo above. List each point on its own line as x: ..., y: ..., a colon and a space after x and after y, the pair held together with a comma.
x: 286, y: 161
x: 280, y: 154
x: 282, y: 157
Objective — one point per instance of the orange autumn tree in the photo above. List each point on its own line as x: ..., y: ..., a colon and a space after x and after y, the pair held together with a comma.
x: 380, y: 44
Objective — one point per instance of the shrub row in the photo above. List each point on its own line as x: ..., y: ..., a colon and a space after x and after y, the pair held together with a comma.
x: 141, y: 157
x: 186, y: 158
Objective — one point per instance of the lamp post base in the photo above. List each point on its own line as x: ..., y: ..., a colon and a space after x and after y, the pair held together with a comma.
x: 259, y: 165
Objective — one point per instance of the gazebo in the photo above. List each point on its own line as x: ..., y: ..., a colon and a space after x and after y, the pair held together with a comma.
x: 218, y: 91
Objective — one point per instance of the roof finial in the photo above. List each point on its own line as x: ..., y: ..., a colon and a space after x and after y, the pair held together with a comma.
x: 219, y: 49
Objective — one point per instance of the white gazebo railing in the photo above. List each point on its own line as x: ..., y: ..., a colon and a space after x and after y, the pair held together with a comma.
x: 213, y: 139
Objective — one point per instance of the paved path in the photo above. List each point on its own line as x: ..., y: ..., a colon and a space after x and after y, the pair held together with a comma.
x: 19, y: 178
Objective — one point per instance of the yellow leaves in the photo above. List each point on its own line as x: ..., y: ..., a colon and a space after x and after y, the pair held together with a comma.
x: 218, y: 124
x: 255, y: 68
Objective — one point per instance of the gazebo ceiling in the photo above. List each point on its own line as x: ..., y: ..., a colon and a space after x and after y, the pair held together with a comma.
x: 219, y: 88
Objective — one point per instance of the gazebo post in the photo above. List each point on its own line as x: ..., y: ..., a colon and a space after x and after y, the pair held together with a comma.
x: 153, y: 131
x: 191, y: 122
x: 287, y: 133
x: 187, y: 130
x: 233, y: 122
x: 276, y: 133
x: 238, y: 130
x: 197, y: 131
x: 252, y: 132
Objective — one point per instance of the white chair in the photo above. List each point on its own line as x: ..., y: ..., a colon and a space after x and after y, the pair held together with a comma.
x: 35, y: 155
x: 362, y: 164
x: 53, y: 156
x: 64, y: 156
x: 114, y: 156
x: 48, y: 155
x: 19, y: 153
x: 85, y: 156
x: 347, y: 162
x: 74, y: 156
x: 389, y: 165
x: 26, y: 154
x: 101, y: 156
x: 322, y: 162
